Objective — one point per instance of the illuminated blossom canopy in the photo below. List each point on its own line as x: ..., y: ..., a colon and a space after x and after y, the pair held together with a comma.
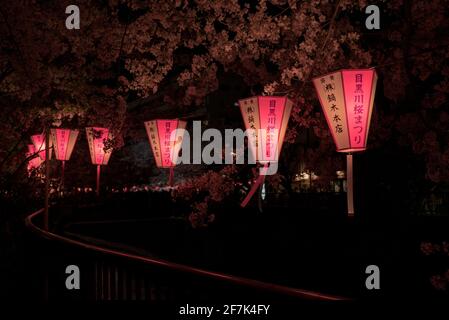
x: 174, y: 54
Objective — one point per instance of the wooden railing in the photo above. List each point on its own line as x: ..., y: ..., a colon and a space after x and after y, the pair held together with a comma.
x: 114, y: 274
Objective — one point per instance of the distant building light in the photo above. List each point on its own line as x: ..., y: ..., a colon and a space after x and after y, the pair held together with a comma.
x: 340, y: 174
x: 304, y: 176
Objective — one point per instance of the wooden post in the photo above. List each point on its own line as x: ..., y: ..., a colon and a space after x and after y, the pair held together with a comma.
x: 98, y: 179
x: 62, y: 175
x: 47, y: 177
x: 171, y: 177
x: 350, y: 184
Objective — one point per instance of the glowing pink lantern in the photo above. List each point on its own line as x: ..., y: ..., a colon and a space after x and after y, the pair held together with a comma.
x: 96, y: 138
x: 63, y: 141
x: 35, y: 162
x: 38, y: 141
x: 165, y: 142
x: 347, y: 99
x: 268, y: 117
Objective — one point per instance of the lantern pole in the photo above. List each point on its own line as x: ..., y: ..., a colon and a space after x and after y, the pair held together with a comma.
x: 310, y: 181
x: 350, y: 184
x: 260, y: 180
x: 47, y: 177
x: 171, y: 177
x: 62, y: 175
x: 98, y: 180
x: 260, y: 199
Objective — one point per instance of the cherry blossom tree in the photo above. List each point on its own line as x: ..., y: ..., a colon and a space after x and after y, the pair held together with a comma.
x: 172, y: 53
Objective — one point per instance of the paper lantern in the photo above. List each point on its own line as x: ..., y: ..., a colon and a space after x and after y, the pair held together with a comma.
x: 63, y: 141
x: 34, y: 162
x: 166, y: 141
x: 268, y: 117
x: 96, y: 138
x: 38, y: 141
x: 347, y: 99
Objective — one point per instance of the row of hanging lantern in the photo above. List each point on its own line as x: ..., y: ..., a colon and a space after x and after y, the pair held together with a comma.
x: 346, y: 97
x: 62, y: 141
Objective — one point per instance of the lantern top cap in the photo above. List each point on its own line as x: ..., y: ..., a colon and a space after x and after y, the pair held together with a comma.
x: 261, y: 96
x: 166, y: 119
x: 341, y: 70
x: 59, y: 128
x: 100, y: 129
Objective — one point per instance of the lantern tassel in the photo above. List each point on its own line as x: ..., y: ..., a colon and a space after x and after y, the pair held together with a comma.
x: 260, y: 180
x: 350, y: 185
